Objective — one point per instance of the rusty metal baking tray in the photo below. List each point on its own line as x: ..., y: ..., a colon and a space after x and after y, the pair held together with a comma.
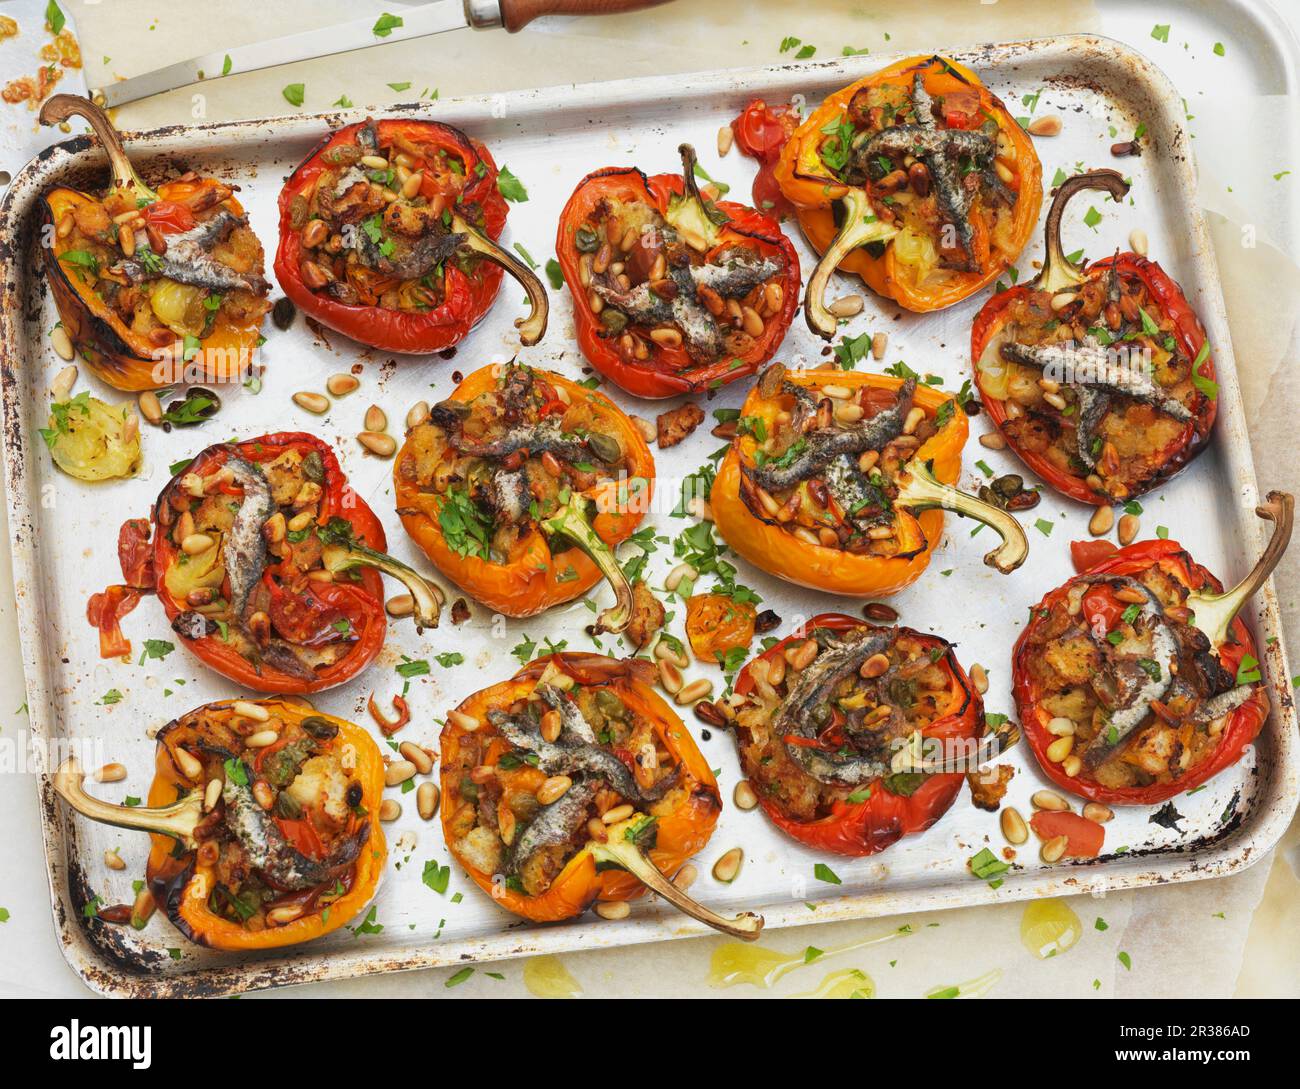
x: 63, y: 531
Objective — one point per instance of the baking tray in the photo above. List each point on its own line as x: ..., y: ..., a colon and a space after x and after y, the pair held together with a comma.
x: 63, y: 531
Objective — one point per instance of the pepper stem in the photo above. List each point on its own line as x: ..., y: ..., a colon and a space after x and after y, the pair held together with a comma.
x: 1213, y: 613
x: 572, y: 521
x: 989, y: 747
x: 58, y: 108
x: 619, y: 850
x: 690, y: 212
x: 428, y: 596
x: 860, y: 227
x: 531, y: 328
x: 1058, y: 272
x: 921, y: 490
x: 177, y: 820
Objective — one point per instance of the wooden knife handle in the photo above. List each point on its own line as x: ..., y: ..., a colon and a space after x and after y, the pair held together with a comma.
x: 517, y: 14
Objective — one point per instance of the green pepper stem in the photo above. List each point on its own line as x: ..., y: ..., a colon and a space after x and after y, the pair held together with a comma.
x: 620, y: 851
x: 533, y: 327
x: 58, y: 108
x: 989, y: 747
x: 1213, y: 613
x: 428, y: 596
x: 1058, y: 272
x: 921, y: 490
x: 177, y: 820
x: 571, y: 520
x: 860, y: 227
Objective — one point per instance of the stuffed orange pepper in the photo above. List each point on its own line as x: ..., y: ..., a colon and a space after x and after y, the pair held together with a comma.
x: 153, y: 287
x: 837, y: 480
x: 574, y: 782
x: 519, y: 486
x: 915, y: 178
x: 264, y: 817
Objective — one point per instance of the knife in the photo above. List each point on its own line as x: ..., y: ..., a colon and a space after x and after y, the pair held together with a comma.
x: 416, y: 22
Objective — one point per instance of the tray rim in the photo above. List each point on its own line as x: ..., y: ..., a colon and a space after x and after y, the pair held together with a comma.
x: 1237, y: 849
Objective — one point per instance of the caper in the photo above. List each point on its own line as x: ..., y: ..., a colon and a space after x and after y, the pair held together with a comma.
x: 605, y: 447
x: 1009, y: 485
x: 195, y: 407
x: 354, y: 795
x: 609, y: 704
x: 322, y: 729
x: 313, y: 468
x: 587, y: 241
x: 615, y: 321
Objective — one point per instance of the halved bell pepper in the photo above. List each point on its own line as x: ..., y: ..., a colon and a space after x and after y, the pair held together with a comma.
x: 574, y: 782
x: 267, y: 564
x: 807, y: 536
x: 153, y: 287
x: 516, y: 460
x: 853, y: 772
x: 388, y: 233
x: 255, y: 848
x: 879, y: 176
x: 1143, y: 666
x: 673, y: 292
x: 1134, y: 397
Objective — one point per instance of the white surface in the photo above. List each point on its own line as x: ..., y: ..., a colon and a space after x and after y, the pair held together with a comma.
x: 683, y: 961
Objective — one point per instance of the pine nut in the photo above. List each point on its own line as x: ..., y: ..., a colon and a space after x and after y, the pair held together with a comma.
x: 800, y: 655
x: 878, y: 344
x: 551, y: 725
x: 979, y: 678
x: 846, y: 306
x: 1061, y: 727
x: 61, y: 387
x: 419, y: 414
x: 685, y: 877
x: 212, y: 795
x: 150, y: 407
x: 110, y: 773
x: 669, y: 653
x: 648, y: 430
x: 462, y: 721
x: 389, y: 810
x: 875, y: 666
x: 1101, y: 522
x: 375, y: 162
x: 1014, y: 829
x: 1072, y: 765
x: 596, y: 830
x: 1137, y: 241
x: 839, y: 393
x: 400, y: 605
x: 1128, y: 528
x: 427, y: 796
x: 725, y: 139
x: 1054, y: 849
x: 848, y: 413
x: 196, y: 543
x: 417, y: 756
x: 113, y: 860
x: 993, y: 440
x: 670, y: 677
x: 1062, y: 299
x: 377, y: 443
x: 340, y: 385
x: 553, y: 789
x: 618, y: 813
x: 613, y: 910
x: 675, y: 576
x: 262, y: 794
x: 1059, y: 749
x: 398, y: 772
x: 744, y: 796
x: 696, y: 690
x: 412, y: 184
x: 1003, y: 171
x: 1049, y: 125
x: 1055, y: 400
x: 261, y: 739
x: 727, y: 868
x: 1049, y: 800
x: 1095, y: 811
x: 666, y: 337
x: 376, y: 419
x: 914, y: 419
x: 282, y: 915
x: 312, y: 402
x: 248, y: 709
x: 750, y: 321
x: 300, y: 521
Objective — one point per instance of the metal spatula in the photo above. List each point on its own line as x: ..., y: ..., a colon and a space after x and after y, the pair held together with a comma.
x: 415, y: 22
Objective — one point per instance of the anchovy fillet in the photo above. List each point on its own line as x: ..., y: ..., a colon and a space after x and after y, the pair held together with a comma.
x: 734, y: 277
x: 244, y: 549
x: 813, y: 689
x: 188, y: 260
x: 555, y: 824
x: 267, y: 849
x: 823, y: 446
x: 537, y: 438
